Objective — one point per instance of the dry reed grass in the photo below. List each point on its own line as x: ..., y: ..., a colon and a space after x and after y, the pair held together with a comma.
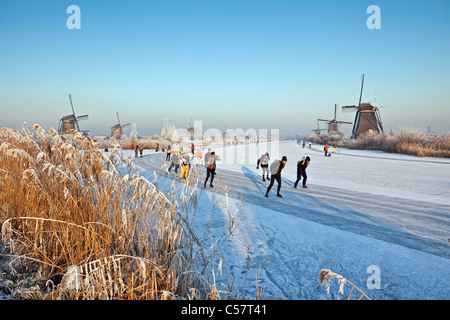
x: 93, y: 232
x: 145, y: 143
x: 411, y: 141
x: 326, y: 275
x: 93, y: 228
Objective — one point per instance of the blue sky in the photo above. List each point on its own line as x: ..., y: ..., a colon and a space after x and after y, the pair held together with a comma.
x: 241, y: 64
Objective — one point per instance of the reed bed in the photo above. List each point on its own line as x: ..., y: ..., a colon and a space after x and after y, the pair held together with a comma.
x: 411, y: 141
x: 146, y: 143
x: 93, y: 227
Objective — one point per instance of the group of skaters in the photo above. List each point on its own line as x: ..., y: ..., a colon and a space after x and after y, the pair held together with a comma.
x: 303, y: 143
x: 137, y: 150
x: 180, y: 159
x: 325, y: 148
x: 275, y: 172
x: 277, y: 166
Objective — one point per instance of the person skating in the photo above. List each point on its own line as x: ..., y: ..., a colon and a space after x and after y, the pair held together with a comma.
x: 207, y: 156
x: 175, y: 162
x: 275, y: 174
x: 210, y: 169
x: 301, y: 171
x: 184, y: 168
x: 264, y: 162
x: 168, y: 153
x: 188, y: 158
x: 198, y: 156
x: 136, y: 151
x: 326, y: 150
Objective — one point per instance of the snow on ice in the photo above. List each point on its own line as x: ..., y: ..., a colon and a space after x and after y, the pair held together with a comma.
x: 366, y: 215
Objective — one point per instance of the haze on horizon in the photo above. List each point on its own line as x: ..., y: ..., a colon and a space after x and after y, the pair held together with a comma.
x: 235, y: 64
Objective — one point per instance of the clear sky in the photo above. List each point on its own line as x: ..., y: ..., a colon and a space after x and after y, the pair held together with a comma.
x: 259, y: 64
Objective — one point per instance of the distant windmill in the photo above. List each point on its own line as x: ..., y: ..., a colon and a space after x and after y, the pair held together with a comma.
x: 116, y: 130
x: 333, y: 125
x: 191, y: 130
x: 70, y: 122
x: 367, y: 118
x: 317, y: 131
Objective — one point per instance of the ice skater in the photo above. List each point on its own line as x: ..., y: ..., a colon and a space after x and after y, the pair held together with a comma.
x: 175, y: 162
x: 207, y: 156
x: 136, y: 151
x: 184, y: 168
x: 168, y: 153
x: 210, y: 169
x: 301, y: 171
x: 275, y: 174
x: 264, y: 162
x: 198, y: 156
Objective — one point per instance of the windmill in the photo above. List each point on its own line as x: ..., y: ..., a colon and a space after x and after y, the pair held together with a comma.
x: 367, y: 118
x: 116, y: 130
x: 317, y: 131
x: 333, y: 125
x: 70, y: 122
x: 191, y: 130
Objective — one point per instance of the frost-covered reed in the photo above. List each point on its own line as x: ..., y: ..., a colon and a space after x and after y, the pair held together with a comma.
x: 411, y: 141
x: 326, y: 275
x: 92, y: 231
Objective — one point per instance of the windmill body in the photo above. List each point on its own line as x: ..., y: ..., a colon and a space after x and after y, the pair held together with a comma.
x: 116, y: 130
x: 68, y: 124
x: 367, y: 117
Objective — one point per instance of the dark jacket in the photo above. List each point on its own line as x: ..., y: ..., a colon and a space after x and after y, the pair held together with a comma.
x: 302, y: 164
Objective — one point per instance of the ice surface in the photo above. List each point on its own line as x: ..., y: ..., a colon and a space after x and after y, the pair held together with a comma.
x: 362, y: 208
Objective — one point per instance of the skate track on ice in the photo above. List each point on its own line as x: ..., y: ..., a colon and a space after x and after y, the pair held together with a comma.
x: 292, y: 258
x: 411, y: 223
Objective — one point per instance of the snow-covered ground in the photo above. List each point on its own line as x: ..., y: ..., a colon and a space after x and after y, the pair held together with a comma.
x: 363, y: 211
x: 377, y: 172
